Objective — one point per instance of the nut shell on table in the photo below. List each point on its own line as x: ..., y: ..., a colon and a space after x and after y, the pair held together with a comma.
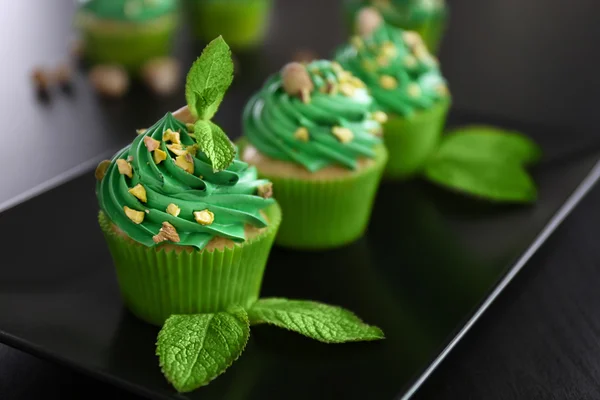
x: 162, y: 75
x: 63, y: 74
x: 41, y: 79
x: 109, y: 80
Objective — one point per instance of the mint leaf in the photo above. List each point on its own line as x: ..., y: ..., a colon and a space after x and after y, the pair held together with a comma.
x: 195, y: 349
x: 318, y: 321
x: 496, y: 181
x: 208, y: 79
x: 486, y: 143
x: 214, y: 143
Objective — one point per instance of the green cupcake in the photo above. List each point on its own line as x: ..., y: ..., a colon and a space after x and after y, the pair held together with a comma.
x: 189, y: 227
x: 127, y: 32
x: 242, y: 23
x: 426, y: 17
x: 406, y: 83
x: 312, y: 131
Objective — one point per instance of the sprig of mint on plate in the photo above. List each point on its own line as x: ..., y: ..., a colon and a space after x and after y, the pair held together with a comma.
x: 195, y: 349
x: 209, y: 78
x: 486, y: 162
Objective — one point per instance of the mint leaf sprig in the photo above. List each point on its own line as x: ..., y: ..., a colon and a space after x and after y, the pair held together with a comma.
x: 195, y: 349
x: 207, y: 81
x: 485, y: 162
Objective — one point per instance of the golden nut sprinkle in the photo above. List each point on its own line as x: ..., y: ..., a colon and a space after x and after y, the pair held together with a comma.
x: 173, y: 209
x: 140, y: 192
x: 344, y: 135
x: 302, y: 134
x: 136, y: 216
x: 159, y: 156
x: 125, y: 168
x: 204, y: 217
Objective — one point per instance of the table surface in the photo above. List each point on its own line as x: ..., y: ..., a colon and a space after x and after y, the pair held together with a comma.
x: 539, y: 340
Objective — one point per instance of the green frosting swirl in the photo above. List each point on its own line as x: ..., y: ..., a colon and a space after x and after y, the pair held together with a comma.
x: 401, y: 74
x: 129, y: 10
x: 229, y: 194
x: 272, y: 118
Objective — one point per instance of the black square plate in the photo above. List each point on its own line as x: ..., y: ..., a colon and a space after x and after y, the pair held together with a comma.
x: 429, y: 265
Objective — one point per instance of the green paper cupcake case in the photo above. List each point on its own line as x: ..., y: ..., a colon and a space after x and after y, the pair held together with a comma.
x: 156, y: 283
x: 130, y: 44
x: 242, y: 23
x: 411, y: 141
x: 327, y: 213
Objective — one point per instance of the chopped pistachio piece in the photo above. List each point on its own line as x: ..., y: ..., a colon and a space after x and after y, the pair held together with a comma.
x: 101, y: 169
x: 170, y: 136
x: 388, y: 82
x: 344, y: 135
x: 356, y: 42
x: 124, y: 168
x: 141, y: 131
x: 140, y: 192
x: 380, y: 117
x: 302, y: 134
x: 266, y: 191
x: 185, y: 164
x: 159, y: 156
x: 336, y: 67
x: 151, y: 143
x: 383, y: 61
x: 136, y: 216
x: 173, y: 209
x: 357, y: 83
x: 414, y: 90
x: 388, y: 49
x: 410, y: 61
x: 344, y: 76
x: 412, y: 38
x: 369, y: 66
x: 347, y: 89
x: 177, y: 149
x: 204, y: 217
x: 166, y: 232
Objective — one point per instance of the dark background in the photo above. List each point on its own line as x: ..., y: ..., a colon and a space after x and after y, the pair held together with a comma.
x: 528, y: 60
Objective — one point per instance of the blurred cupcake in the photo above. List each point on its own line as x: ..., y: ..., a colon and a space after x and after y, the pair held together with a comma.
x: 242, y: 23
x: 126, y: 32
x: 184, y: 239
x: 427, y: 17
x: 312, y: 131
x: 406, y: 83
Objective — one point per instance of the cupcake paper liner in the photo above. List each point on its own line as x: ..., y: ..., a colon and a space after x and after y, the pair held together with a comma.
x: 243, y: 24
x: 411, y: 141
x: 128, y: 44
x: 156, y: 283
x: 328, y: 213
